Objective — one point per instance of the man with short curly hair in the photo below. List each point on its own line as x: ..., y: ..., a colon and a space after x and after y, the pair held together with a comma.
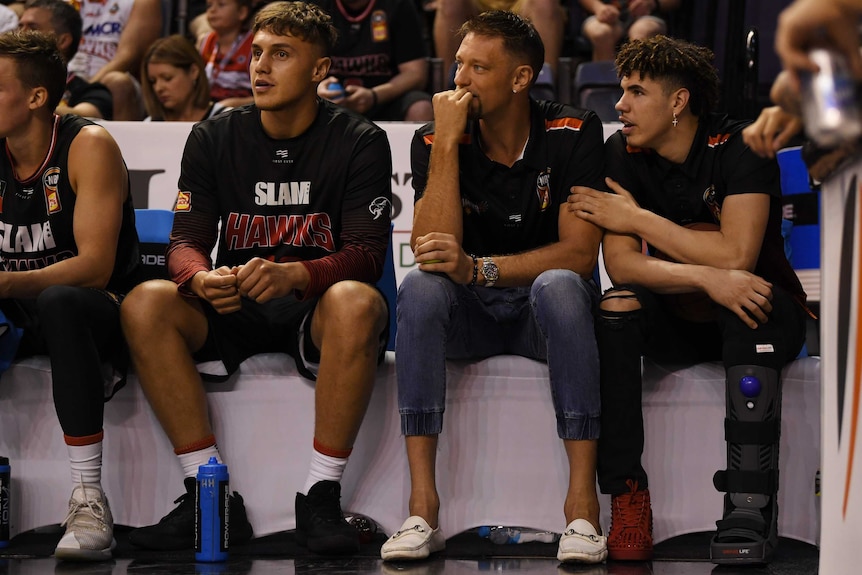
x: 714, y: 284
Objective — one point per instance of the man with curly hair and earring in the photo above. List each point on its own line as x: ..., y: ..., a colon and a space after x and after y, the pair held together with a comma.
x: 714, y: 284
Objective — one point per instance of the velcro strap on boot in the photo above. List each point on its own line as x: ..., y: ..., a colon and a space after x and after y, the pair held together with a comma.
x: 752, y: 432
x: 737, y: 481
x: 749, y: 523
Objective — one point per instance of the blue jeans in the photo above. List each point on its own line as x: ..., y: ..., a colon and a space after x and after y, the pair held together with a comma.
x: 552, y: 321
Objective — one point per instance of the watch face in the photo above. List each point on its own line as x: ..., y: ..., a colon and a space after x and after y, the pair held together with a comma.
x: 490, y: 271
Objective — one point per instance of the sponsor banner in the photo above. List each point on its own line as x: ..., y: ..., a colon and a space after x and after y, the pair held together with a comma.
x: 841, y: 371
x: 153, y: 151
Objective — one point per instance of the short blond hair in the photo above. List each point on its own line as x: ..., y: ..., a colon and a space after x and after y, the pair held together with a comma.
x: 306, y: 21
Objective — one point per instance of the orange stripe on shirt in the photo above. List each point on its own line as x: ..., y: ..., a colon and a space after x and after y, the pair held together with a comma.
x: 429, y: 139
x: 717, y: 140
x: 564, y: 124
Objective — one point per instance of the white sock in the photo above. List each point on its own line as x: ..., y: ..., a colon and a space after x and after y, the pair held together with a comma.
x: 324, y: 468
x: 192, y: 460
x: 86, y: 463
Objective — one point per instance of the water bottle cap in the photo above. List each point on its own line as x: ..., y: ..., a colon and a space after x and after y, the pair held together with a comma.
x: 4, y: 461
x: 212, y: 467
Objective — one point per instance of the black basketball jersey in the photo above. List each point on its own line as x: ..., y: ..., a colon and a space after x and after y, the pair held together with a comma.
x: 37, y: 214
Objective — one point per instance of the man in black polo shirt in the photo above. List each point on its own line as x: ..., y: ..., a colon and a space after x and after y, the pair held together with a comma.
x: 502, y: 268
x: 713, y: 284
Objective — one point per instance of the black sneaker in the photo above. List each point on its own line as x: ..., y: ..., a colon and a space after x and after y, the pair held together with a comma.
x: 176, y: 530
x: 320, y: 524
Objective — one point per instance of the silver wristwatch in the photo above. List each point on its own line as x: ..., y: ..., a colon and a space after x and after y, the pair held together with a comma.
x: 490, y: 271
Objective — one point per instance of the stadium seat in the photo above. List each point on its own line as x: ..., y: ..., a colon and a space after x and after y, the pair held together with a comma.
x: 154, y: 230
x: 597, y: 88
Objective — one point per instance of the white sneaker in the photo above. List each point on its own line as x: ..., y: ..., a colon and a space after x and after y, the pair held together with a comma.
x: 89, y: 527
x: 580, y: 543
x: 415, y: 540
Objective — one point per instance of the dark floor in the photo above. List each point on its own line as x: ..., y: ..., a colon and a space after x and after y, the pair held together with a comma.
x: 357, y: 566
x: 465, y: 553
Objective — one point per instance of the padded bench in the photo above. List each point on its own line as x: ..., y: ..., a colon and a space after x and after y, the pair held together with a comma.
x: 500, y: 460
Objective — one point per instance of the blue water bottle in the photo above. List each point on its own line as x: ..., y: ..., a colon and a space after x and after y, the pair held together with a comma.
x: 337, y: 87
x: 211, y: 512
x: 5, y: 479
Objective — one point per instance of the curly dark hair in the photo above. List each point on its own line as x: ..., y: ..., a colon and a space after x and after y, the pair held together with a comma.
x: 306, y: 21
x: 675, y: 64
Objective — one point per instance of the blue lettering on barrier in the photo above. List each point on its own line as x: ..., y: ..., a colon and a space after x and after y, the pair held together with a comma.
x: 103, y: 29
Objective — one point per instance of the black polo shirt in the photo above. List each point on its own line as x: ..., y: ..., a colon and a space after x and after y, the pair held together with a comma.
x: 718, y: 165
x: 512, y: 210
